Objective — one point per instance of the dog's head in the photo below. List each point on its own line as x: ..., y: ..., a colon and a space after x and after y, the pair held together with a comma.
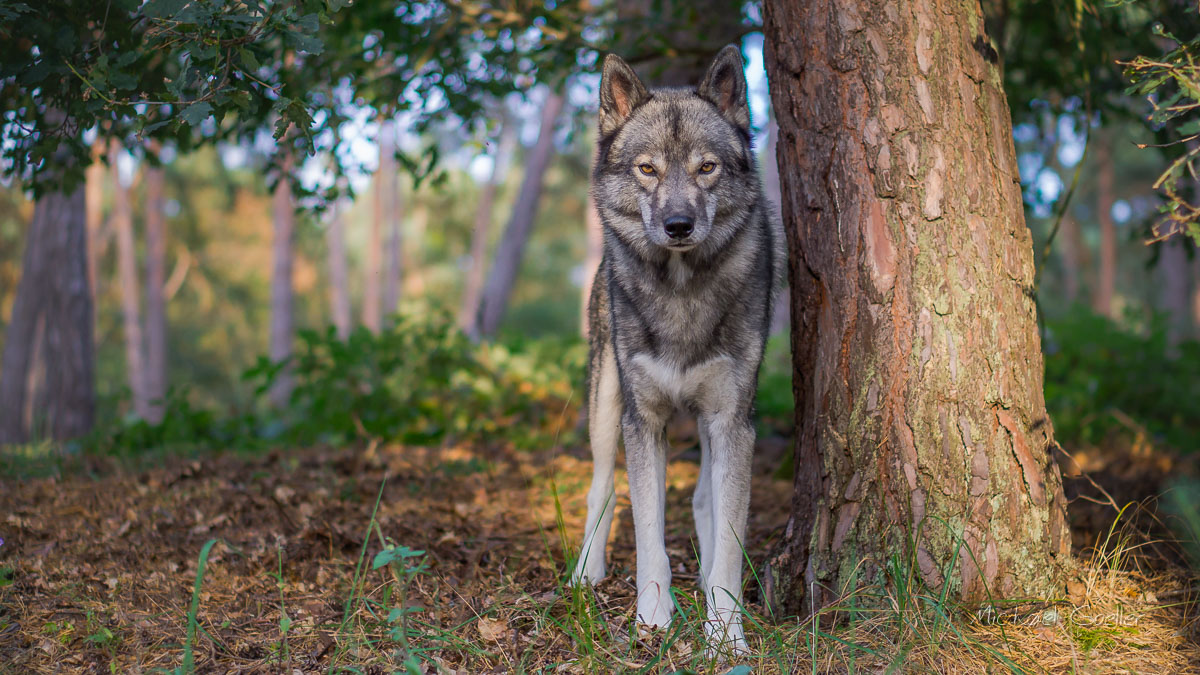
x: 675, y: 168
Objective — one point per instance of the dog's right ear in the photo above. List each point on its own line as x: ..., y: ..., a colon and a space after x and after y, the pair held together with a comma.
x: 621, y: 92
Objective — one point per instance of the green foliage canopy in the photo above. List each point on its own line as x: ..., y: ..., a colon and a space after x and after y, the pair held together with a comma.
x: 192, y: 72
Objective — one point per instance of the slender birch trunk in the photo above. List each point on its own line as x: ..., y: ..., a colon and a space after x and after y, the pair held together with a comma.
x: 283, y: 210
x: 1106, y: 270
x: 131, y: 289
x: 1174, y: 292
x: 156, y: 300
x: 507, y: 260
x: 468, y: 314
x: 339, y: 291
x: 390, y: 195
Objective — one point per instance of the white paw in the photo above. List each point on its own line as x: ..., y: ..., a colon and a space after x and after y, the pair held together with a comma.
x: 725, y: 639
x: 588, y: 575
x: 654, y: 606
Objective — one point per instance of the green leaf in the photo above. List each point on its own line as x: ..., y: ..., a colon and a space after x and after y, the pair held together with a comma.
x: 196, y: 113
x: 163, y: 9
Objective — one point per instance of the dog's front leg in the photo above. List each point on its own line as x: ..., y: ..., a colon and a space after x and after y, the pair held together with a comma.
x: 646, y: 461
x: 731, y: 437
x: 604, y: 423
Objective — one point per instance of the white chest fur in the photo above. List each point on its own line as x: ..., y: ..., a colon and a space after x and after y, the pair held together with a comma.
x: 708, y: 384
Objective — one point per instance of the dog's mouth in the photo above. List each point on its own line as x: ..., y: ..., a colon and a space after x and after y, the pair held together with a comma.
x: 680, y: 246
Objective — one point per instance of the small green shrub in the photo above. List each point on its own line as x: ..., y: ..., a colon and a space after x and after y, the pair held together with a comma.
x: 422, y: 381
x: 1101, y: 379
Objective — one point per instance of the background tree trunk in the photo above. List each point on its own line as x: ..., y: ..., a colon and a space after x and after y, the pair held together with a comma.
x: 94, y: 197
x: 591, y: 261
x: 50, y: 332
x: 283, y: 213
x: 1106, y: 270
x: 131, y: 289
x: 468, y: 313
x: 920, y: 416
x: 373, y: 271
x: 390, y: 197
x: 1072, y: 254
x: 339, y: 290
x: 1196, y: 295
x: 507, y: 261
x: 156, y: 300
x: 1174, y: 291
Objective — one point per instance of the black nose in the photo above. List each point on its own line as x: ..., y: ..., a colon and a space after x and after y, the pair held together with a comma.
x: 678, y: 227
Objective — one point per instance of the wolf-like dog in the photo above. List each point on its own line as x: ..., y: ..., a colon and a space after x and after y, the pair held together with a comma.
x: 679, y: 315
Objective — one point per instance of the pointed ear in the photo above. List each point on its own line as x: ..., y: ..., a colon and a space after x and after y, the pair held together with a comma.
x: 620, y: 93
x: 725, y: 85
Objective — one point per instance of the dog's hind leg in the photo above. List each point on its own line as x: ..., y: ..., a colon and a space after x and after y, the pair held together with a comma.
x: 604, y: 428
x: 732, y: 439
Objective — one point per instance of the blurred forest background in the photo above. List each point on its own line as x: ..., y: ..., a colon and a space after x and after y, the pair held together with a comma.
x: 431, y: 204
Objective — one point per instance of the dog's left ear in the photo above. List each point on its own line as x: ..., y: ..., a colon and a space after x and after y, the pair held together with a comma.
x: 725, y: 85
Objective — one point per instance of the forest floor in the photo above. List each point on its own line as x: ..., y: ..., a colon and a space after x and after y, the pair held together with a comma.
x: 98, y: 573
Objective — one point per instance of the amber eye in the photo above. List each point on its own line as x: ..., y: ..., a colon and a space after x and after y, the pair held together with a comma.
x: 646, y: 169
x: 708, y: 167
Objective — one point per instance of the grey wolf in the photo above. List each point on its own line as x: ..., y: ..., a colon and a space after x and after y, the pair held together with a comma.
x: 679, y: 315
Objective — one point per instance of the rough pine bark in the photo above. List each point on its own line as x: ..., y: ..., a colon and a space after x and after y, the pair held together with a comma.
x: 468, y: 313
x: 156, y: 299
x: 922, y: 434
x: 131, y: 289
x: 507, y: 260
x: 283, y: 216
x: 1106, y: 270
x: 339, y: 289
x: 46, y: 371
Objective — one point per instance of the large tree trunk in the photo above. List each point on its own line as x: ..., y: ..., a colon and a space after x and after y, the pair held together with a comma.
x: 1106, y: 270
x: 339, y: 289
x: 50, y: 331
x: 131, y: 289
x: 283, y: 213
x: 389, y: 197
x: 507, y: 261
x: 156, y: 299
x: 468, y: 313
x: 920, y: 418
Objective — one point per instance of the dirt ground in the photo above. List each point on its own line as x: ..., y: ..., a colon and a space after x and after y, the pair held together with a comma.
x: 98, y: 572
